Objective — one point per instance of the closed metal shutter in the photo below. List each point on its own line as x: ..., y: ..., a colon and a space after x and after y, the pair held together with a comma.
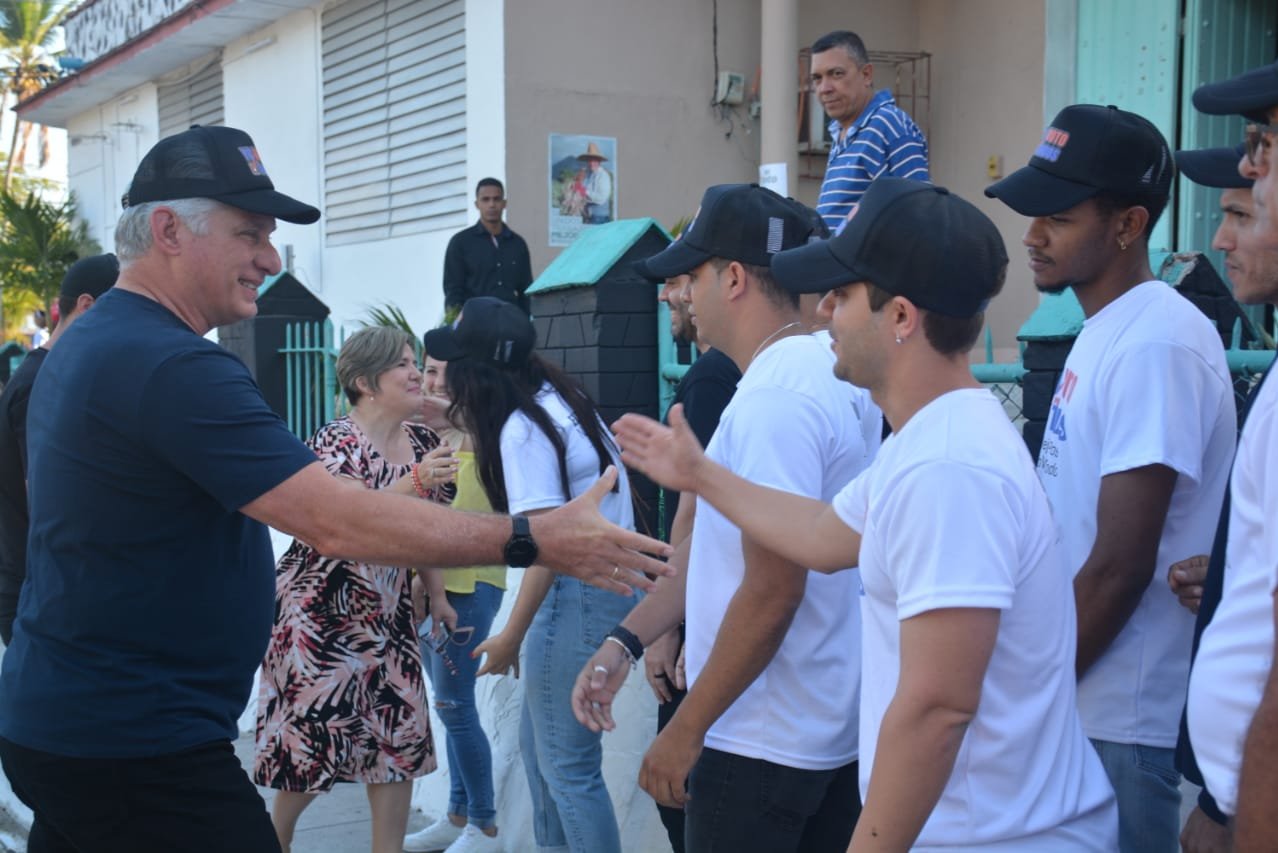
x: 194, y: 97
x: 394, y: 118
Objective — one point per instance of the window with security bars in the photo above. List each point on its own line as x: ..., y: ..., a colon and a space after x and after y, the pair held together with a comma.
x: 394, y: 118
x: 192, y: 96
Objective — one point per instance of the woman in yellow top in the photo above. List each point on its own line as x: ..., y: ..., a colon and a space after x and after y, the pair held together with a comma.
x: 463, y: 603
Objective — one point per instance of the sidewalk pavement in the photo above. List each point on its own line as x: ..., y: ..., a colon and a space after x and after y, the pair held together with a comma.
x: 336, y: 822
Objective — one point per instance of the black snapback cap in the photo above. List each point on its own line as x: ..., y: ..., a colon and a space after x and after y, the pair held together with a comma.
x: 746, y: 223
x: 1213, y: 167
x: 488, y: 329
x: 94, y: 275
x: 219, y: 163
x: 911, y: 239
x: 1251, y: 94
x: 1087, y: 150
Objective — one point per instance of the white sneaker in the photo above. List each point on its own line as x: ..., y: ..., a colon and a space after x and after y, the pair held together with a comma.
x: 435, y: 837
x: 473, y: 840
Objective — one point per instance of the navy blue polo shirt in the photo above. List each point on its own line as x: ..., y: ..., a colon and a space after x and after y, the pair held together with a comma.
x: 149, y: 597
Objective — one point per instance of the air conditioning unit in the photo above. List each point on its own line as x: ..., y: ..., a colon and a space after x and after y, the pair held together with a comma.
x: 814, y: 131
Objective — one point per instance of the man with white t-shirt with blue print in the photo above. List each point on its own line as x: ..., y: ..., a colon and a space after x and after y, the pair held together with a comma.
x: 767, y: 734
x: 1136, y: 454
x: 970, y: 737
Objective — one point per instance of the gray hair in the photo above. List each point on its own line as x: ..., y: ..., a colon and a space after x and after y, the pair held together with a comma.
x: 133, y: 230
x: 367, y: 354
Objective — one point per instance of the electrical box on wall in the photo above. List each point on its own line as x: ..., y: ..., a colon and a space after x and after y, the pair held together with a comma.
x: 729, y: 88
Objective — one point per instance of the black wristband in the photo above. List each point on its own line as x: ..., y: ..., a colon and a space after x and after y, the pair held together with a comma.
x: 629, y: 640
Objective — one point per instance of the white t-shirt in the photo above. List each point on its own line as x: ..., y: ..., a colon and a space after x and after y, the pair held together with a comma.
x: 1146, y: 383
x: 531, y: 467
x: 951, y: 515
x: 791, y: 425
x: 1236, y: 651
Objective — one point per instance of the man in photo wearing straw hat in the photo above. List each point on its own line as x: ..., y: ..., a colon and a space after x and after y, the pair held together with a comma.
x: 598, y: 187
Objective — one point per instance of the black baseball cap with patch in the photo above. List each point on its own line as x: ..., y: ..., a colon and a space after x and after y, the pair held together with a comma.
x: 737, y: 222
x: 214, y: 162
x: 1251, y: 95
x: 1213, y: 167
x: 911, y: 239
x: 488, y: 329
x: 1087, y: 150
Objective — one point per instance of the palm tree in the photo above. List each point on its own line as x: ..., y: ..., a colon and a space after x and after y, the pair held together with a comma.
x: 39, y: 240
x: 26, y: 63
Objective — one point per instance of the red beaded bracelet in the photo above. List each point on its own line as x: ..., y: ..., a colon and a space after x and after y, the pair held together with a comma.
x: 417, y: 481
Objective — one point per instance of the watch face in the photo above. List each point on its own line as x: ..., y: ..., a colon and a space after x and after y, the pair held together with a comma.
x: 521, y: 551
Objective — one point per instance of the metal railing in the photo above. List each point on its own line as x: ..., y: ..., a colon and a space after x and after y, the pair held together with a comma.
x: 1003, y: 379
x: 310, y: 358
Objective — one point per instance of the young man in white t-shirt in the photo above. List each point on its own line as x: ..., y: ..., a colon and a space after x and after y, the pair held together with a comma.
x: 1197, y: 580
x: 970, y: 737
x: 1233, y: 690
x: 1136, y: 453
x: 767, y: 734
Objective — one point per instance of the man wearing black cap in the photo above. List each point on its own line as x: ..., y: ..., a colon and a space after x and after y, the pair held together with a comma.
x: 970, y: 738
x: 704, y: 392
x: 1137, y: 447
x: 84, y: 282
x: 149, y: 595
x: 767, y: 735
x: 1232, y: 709
x: 1197, y: 581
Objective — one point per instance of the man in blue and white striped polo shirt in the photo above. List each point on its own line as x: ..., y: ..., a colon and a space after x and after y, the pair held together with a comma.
x: 872, y: 135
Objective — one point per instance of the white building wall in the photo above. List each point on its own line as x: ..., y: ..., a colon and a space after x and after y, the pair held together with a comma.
x: 284, y: 125
x: 107, y: 142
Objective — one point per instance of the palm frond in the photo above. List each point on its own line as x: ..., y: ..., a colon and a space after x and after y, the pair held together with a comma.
x: 388, y: 315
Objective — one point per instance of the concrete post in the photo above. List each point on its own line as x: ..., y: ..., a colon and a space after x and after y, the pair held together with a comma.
x: 778, y: 87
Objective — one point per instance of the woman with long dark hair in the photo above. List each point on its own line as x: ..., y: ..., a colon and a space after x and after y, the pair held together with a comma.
x: 539, y: 442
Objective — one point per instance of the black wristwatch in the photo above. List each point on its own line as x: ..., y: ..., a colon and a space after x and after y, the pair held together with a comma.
x: 521, y: 548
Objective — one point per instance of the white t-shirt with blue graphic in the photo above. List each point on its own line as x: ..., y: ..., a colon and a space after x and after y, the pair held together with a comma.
x: 1145, y: 384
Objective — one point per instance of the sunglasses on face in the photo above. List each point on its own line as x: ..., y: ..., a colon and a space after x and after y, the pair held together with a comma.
x: 1255, y: 137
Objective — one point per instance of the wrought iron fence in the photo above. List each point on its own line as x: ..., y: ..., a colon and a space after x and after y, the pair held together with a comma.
x: 310, y: 357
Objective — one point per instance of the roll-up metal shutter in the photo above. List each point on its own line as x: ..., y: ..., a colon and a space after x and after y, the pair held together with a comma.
x: 194, y: 97
x: 394, y: 118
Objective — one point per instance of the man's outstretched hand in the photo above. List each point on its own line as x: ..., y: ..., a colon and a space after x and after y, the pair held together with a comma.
x: 669, y: 455
x: 576, y: 540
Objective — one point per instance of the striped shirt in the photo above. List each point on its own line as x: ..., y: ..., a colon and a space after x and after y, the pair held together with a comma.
x: 883, y: 141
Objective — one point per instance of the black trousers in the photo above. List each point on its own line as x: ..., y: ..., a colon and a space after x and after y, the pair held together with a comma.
x: 671, y: 819
x: 748, y: 805
x: 198, y: 801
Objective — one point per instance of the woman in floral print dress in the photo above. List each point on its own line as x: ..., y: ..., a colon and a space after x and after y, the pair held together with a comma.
x: 342, y: 695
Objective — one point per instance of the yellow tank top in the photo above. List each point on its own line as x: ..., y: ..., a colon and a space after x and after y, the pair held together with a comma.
x: 471, y: 498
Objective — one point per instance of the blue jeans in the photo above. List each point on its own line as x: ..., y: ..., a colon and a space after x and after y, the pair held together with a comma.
x: 470, y: 759
x: 740, y: 803
x: 563, y: 759
x: 1147, y: 787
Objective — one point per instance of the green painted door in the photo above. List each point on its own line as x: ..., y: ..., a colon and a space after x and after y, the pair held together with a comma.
x: 1222, y: 38
x: 1129, y: 56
